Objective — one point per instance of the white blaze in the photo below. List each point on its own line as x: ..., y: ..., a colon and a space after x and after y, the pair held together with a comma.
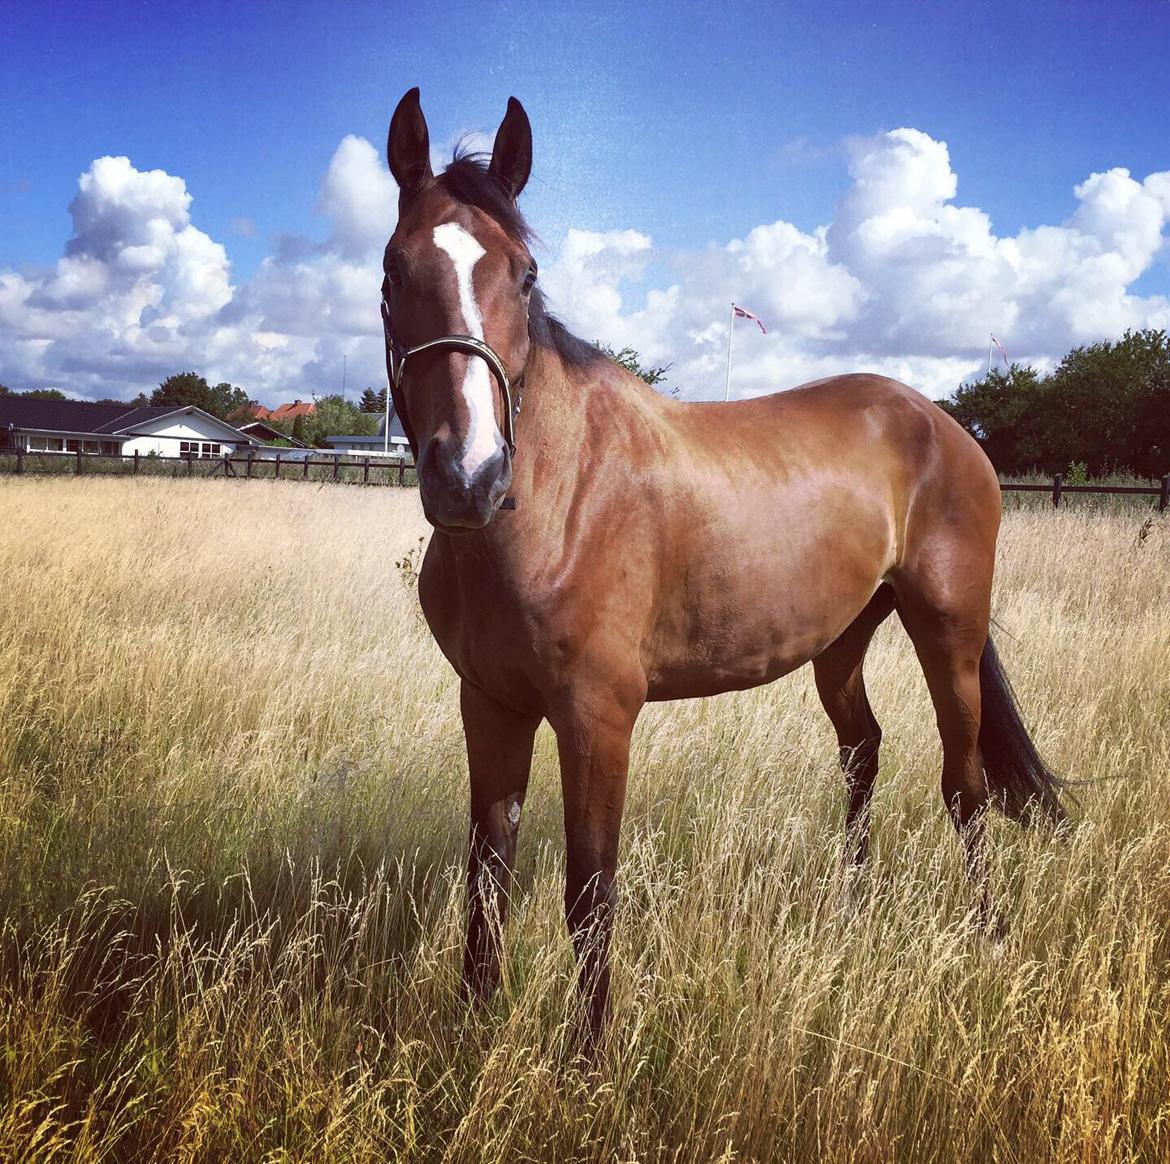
x: 483, y: 437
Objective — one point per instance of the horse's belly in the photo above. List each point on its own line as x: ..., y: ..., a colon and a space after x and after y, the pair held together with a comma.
x: 735, y: 636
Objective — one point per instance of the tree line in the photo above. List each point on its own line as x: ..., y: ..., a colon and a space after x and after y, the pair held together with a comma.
x: 1105, y: 408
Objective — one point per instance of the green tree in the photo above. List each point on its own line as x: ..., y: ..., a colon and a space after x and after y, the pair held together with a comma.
x: 43, y: 394
x: 182, y: 390
x: 1105, y: 406
x: 298, y: 429
x: 231, y: 403
x: 335, y: 415
x: 372, y: 401
x: 35, y: 393
x: 1097, y: 397
x: 187, y: 389
x: 999, y: 410
x: 629, y: 359
x: 1150, y: 454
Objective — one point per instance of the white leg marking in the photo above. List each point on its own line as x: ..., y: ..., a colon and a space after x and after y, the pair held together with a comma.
x: 483, y: 436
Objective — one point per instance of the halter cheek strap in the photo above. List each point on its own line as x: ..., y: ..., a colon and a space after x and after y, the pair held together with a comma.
x: 397, y: 357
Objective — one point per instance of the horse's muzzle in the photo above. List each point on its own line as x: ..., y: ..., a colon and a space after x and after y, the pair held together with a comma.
x: 454, y: 501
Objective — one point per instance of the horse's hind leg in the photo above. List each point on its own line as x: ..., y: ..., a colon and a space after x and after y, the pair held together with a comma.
x: 945, y: 607
x: 841, y: 686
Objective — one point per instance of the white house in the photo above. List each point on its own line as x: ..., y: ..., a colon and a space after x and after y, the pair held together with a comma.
x: 70, y: 426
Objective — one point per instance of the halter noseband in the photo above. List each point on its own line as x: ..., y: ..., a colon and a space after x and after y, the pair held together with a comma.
x: 397, y: 355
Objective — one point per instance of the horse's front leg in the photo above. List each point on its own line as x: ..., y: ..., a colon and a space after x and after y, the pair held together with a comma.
x: 593, y: 738
x: 499, y: 758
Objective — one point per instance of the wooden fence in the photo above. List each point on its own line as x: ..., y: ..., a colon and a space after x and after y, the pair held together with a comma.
x: 1058, y: 489
x: 327, y: 466
x: 379, y: 471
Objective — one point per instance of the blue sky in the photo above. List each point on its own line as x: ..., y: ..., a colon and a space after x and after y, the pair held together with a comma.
x: 688, y: 124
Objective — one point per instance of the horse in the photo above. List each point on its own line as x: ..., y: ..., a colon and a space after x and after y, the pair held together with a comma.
x: 606, y: 545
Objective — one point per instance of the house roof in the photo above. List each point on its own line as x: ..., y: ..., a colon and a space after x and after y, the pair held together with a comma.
x: 73, y: 415
x: 291, y: 411
x: 263, y: 431
x: 79, y: 416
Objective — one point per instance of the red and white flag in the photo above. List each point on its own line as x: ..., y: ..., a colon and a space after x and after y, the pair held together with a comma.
x: 1002, y: 351
x: 743, y: 313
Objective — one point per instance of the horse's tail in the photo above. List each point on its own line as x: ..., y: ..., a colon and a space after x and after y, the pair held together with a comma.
x: 1019, y: 781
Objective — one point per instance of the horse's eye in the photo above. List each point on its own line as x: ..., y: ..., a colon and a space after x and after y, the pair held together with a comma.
x: 529, y: 280
x: 393, y: 271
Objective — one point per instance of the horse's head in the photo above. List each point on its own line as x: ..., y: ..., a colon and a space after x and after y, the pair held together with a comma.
x: 458, y: 265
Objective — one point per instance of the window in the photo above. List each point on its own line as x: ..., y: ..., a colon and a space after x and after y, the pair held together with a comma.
x: 40, y: 444
x: 198, y: 449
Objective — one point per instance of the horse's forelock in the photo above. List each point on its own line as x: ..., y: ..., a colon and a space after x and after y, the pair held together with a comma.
x: 466, y: 179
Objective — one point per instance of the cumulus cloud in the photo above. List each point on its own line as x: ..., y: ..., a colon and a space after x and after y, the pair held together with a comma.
x: 360, y: 198
x: 135, y: 278
x: 904, y: 279
x: 140, y: 292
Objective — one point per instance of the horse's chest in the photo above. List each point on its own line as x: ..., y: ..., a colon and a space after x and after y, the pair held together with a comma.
x: 476, y: 626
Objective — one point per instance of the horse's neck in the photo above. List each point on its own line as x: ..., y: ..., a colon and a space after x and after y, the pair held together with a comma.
x: 552, y: 427
x: 559, y: 446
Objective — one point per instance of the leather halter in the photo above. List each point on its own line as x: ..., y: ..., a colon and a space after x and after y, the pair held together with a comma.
x: 397, y: 356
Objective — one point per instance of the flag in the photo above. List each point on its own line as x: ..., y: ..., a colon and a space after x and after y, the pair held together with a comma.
x: 1002, y: 351
x: 743, y: 313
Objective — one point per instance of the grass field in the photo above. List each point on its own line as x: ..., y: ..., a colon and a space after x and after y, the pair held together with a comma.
x: 232, y: 823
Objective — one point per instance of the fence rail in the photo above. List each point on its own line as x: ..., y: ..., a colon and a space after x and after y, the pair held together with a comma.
x: 329, y: 466
x: 378, y: 471
x: 1058, y: 489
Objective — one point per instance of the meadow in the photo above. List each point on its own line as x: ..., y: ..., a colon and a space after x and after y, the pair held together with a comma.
x: 232, y: 832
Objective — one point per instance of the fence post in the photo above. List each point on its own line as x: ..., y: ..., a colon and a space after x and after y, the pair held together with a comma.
x: 401, y: 472
x: 190, y: 463
x: 251, y: 457
x: 366, y: 472
x: 276, y: 469
x: 1057, y: 487
x: 135, y: 462
x: 336, y: 465
x: 305, y: 467
x: 1164, y: 497
x: 78, y: 470
x: 20, y: 460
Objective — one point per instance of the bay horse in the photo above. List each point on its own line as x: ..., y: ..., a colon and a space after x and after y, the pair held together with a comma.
x: 607, y: 545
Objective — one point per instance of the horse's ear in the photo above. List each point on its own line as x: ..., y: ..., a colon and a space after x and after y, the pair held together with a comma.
x: 512, y: 153
x: 408, y: 147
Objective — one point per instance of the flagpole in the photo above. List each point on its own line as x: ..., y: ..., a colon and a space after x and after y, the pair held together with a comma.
x: 989, y: 338
x: 386, y: 424
x: 730, y: 336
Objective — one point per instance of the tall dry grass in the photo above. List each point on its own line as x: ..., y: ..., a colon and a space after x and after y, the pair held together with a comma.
x: 232, y: 820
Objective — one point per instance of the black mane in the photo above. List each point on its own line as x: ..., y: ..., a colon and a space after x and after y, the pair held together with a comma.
x: 467, y: 180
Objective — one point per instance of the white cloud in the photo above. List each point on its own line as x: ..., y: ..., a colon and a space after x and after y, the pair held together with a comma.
x: 359, y: 197
x: 904, y: 280
x: 140, y: 292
